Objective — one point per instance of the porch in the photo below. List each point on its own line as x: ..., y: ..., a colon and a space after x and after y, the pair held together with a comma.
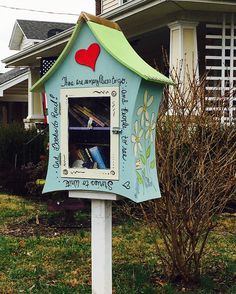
x: 15, y: 102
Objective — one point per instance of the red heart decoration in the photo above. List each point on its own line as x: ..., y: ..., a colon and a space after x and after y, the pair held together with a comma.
x: 88, y: 57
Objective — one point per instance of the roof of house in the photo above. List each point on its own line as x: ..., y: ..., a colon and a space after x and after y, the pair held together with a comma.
x: 40, y: 30
x: 35, y: 30
x: 11, y: 74
x: 11, y: 79
x: 115, y: 43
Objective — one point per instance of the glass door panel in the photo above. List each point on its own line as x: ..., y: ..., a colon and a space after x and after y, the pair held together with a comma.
x: 89, y: 137
x: 89, y: 132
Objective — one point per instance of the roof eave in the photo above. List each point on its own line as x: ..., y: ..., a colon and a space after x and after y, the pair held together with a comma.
x: 12, y: 82
x: 133, y: 7
x: 60, y: 38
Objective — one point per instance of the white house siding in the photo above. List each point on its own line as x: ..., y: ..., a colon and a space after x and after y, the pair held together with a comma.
x: 108, y: 5
x: 26, y: 43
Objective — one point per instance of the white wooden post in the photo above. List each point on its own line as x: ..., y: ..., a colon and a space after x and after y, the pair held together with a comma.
x: 101, y: 241
x: 101, y: 246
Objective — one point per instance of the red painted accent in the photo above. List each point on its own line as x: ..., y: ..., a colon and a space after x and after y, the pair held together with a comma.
x: 88, y: 57
x: 45, y: 109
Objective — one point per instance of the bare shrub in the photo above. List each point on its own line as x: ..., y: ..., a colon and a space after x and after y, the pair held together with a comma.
x: 196, y: 160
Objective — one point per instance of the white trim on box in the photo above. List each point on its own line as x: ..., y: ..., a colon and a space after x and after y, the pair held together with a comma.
x: 113, y: 172
x: 94, y: 195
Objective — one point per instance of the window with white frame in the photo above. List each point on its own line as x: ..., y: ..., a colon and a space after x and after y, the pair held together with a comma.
x: 220, y: 60
x: 89, y: 136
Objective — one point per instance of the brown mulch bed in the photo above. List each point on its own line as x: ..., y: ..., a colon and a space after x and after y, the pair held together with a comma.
x: 45, y: 227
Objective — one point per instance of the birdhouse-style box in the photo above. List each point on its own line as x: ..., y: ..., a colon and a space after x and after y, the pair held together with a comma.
x: 102, y: 101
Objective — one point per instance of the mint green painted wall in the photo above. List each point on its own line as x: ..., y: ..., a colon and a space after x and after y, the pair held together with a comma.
x: 137, y: 169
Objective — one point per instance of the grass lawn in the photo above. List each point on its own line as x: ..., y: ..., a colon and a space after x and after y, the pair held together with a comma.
x: 38, y: 257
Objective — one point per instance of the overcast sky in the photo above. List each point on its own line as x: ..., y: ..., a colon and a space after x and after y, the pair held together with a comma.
x: 9, y: 16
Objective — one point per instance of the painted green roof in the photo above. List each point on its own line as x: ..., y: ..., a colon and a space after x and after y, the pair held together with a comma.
x: 116, y: 44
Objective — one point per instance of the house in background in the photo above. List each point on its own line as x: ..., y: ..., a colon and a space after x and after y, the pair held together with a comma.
x: 15, y: 98
x: 14, y: 95
x: 196, y: 35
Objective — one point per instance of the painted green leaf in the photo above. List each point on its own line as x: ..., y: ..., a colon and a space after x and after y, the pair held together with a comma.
x: 143, y: 159
x: 148, y: 151
x: 140, y: 179
x: 152, y: 164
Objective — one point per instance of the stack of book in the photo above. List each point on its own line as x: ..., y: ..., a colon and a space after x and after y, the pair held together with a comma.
x: 92, y: 157
x: 85, y: 116
x: 89, y: 113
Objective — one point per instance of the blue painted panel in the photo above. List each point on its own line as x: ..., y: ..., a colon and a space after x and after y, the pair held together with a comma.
x: 143, y: 138
x: 138, y: 112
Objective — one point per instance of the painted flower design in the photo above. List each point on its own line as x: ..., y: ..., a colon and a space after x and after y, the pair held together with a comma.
x: 136, y: 138
x: 143, y: 109
x: 150, y: 125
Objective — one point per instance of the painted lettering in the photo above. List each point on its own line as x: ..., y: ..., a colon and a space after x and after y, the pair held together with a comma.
x: 124, y: 140
x: 71, y: 183
x: 123, y: 96
x: 124, y: 119
x: 102, y: 184
x: 101, y: 80
x: 104, y: 81
x: 124, y: 153
x: 55, y: 106
x: 56, y: 161
x: 85, y: 183
x: 66, y: 82
x: 55, y: 136
x: 119, y: 81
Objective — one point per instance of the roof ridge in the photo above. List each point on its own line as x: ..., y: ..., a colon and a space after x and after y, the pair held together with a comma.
x: 45, y: 21
x: 84, y: 16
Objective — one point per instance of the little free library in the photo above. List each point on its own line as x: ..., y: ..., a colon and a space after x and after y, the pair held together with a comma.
x: 102, y: 101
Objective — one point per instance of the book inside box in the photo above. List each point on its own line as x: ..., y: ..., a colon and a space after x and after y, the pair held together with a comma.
x: 89, y: 132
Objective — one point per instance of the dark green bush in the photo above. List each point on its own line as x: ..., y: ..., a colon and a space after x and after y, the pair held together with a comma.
x: 19, y: 146
x: 34, y: 172
x: 21, y: 152
x: 13, y: 181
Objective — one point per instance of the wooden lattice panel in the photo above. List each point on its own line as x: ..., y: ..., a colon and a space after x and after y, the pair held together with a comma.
x: 221, y: 69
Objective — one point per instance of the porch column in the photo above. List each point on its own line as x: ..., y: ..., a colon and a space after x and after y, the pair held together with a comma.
x: 35, y: 108
x: 183, y: 49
